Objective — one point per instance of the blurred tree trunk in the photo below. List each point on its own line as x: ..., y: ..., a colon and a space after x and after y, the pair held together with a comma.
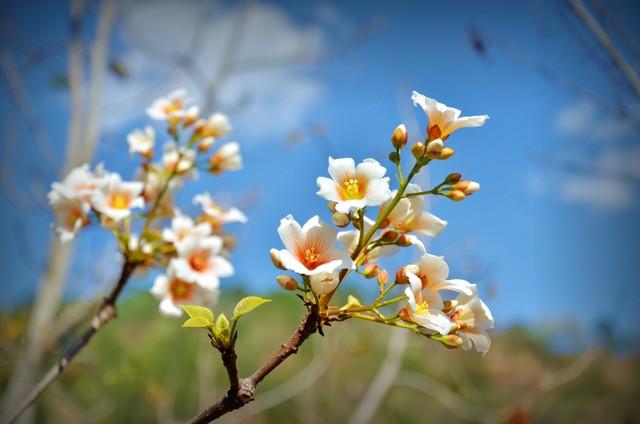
x: 81, y: 143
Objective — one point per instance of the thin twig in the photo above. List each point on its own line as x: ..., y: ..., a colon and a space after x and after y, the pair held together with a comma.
x: 105, y: 314
x: 242, y: 391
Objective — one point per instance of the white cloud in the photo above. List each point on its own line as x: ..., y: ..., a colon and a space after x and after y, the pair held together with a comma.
x: 271, y: 100
x: 584, y: 120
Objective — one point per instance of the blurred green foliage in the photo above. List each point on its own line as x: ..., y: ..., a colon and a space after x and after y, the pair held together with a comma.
x: 144, y: 368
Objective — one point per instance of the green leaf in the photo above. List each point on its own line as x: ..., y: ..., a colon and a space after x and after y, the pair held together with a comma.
x: 351, y: 301
x: 195, y: 311
x: 196, y: 322
x: 223, y: 332
x: 247, y: 305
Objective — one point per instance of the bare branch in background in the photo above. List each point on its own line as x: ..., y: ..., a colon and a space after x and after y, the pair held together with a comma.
x: 603, y: 38
x: 383, y: 381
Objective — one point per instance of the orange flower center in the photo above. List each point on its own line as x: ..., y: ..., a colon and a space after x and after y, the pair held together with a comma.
x: 352, y: 188
x: 199, y: 260
x: 119, y: 200
x: 422, y: 307
x: 180, y: 291
x: 311, y: 253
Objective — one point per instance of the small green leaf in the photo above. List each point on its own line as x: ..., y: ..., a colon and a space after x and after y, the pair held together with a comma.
x: 247, y: 305
x: 195, y: 311
x: 223, y: 332
x: 351, y: 301
x: 196, y: 322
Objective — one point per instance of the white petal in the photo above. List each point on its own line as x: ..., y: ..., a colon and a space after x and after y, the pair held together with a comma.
x: 222, y: 267
x: 345, y: 206
x: 468, y: 121
x: 323, y: 283
x: 339, y: 168
x: 378, y: 191
x: 456, y: 285
x: 167, y: 307
x: 370, y: 169
x: 434, y: 268
x: 328, y: 189
x: 435, y: 320
x: 479, y: 338
x: 290, y: 232
x: 291, y: 263
x: 428, y: 224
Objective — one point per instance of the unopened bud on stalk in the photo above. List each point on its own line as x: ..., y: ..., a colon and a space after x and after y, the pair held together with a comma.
x: 453, y: 178
x: 451, y: 341
x: 399, y: 137
x: 340, y: 219
x: 456, y: 195
x: 434, y: 148
x: 383, y: 277
x: 275, y: 258
x: 370, y: 271
x: 404, y: 315
x: 472, y: 188
x: 418, y: 150
x: 446, y: 153
x: 287, y: 282
x: 403, y: 241
x: 205, y: 144
x: 389, y: 236
x: 394, y: 157
x: 401, y: 276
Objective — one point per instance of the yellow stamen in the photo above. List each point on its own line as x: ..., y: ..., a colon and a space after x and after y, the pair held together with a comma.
x: 120, y: 201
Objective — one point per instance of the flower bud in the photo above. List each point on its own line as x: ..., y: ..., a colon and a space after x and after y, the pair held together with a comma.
x: 451, y: 341
x: 399, y: 137
x: 229, y: 242
x: 370, y: 270
x: 472, y: 188
x: 275, y: 258
x: 332, y: 206
x: 401, y: 276
x: 340, y: 219
x: 205, y: 144
x: 434, y: 148
x: 456, y: 195
x: 287, y: 282
x: 394, y: 157
x: 383, y: 277
x: 403, y: 241
x: 405, y: 315
x: 389, y: 236
x: 446, y: 153
x: 453, y: 178
x: 418, y: 150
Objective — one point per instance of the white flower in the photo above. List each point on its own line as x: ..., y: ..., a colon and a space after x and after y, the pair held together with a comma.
x: 172, y: 154
x: 199, y: 261
x: 323, y: 283
x: 311, y: 249
x: 431, y: 272
x: 443, y: 120
x: 215, y: 213
x: 142, y: 141
x: 473, y: 318
x: 182, y: 227
x: 425, y: 309
x: 173, y: 290
x: 216, y: 126
x: 409, y: 215
x: 80, y: 183
x: 71, y: 215
x: 116, y: 198
x: 165, y: 108
x: 354, y: 187
x: 227, y: 158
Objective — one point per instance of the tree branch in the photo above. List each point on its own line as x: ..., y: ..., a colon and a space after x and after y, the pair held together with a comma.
x: 105, y: 314
x: 242, y: 391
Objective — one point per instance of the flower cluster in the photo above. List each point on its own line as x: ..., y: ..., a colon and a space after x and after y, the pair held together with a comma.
x: 150, y: 229
x: 322, y: 256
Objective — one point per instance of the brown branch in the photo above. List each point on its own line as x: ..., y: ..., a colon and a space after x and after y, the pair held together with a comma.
x: 105, y: 314
x: 242, y: 390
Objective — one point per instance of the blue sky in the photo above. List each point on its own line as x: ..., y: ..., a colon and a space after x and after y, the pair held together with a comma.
x: 554, y: 249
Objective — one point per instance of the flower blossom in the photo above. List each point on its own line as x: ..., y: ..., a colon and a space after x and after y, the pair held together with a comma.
x: 199, y: 261
x: 80, y: 183
x: 71, y: 215
x: 227, y: 158
x: 174, y: 290
x: 142, y: 141
x: 354, y: 187
x: 310, y: 250
x: 431, y: 272
x: 179, y: 160
x: 215, y: 213
x: 216, y: 126
x: 165, y: 108
x: 425, y: 309
x: 409, y: 215
x: 116, y: 198
x: 473, y: 318
x: 183, y: 227
x: 444, y: 120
